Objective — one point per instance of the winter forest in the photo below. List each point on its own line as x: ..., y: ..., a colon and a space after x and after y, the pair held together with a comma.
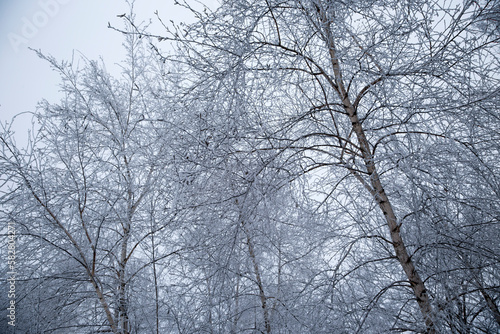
x: 290, y: 166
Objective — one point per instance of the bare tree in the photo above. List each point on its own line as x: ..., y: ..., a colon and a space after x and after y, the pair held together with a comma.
x: 293, y: 166
x: 355, y: 89
x: 85, y: 189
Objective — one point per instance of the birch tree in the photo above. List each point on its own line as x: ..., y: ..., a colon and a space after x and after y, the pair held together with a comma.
x: 356, y: 89
x: 292, y: 167
x: 87, y: 195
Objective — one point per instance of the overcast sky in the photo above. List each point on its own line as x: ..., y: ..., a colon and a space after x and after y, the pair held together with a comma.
x: 59, y: 28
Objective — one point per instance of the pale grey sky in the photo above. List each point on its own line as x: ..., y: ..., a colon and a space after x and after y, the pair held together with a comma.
x: 59, y: 28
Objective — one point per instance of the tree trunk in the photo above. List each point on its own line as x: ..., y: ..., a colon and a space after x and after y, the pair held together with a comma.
x: 377, y: 190
x: 90, y: 271
x: 262, y: 295
x: 122, y: 297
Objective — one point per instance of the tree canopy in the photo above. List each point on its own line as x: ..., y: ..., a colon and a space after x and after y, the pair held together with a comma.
x: 293, y: 166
